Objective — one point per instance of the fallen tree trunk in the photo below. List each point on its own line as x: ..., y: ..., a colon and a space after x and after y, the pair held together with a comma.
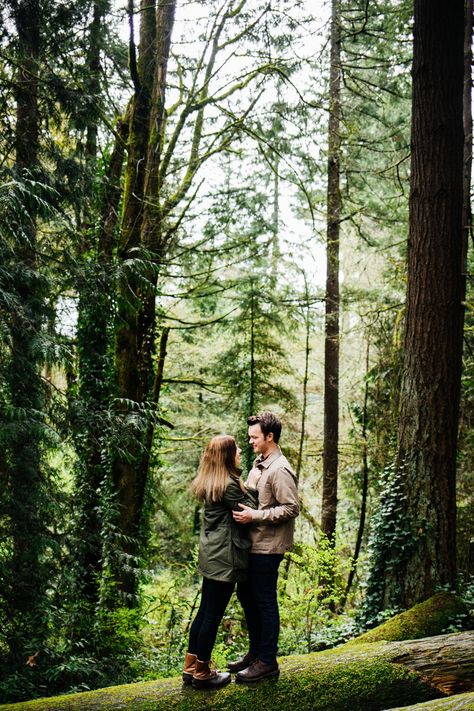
x: 426, y: 619
x: 446, y: 661
x: 363, y: 677
x: 462, y: 702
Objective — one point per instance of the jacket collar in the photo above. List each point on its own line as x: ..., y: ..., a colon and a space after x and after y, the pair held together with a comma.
x: 265, y: 462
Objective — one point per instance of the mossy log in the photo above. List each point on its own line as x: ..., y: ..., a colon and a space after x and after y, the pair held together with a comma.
x: 428, y: 618
x: 462, y: 702
x: 364, y: 677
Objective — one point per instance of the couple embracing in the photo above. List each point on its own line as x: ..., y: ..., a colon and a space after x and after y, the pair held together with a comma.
x: 246, y: 530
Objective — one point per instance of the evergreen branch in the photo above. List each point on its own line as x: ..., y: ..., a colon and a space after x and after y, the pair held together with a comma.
x: 299, y: 182
x: 191, y: 381
x: 198, y: 324
x: 247, y: 29
x: 174, y: 107
x: 175, y: 226
x: 373, y: 85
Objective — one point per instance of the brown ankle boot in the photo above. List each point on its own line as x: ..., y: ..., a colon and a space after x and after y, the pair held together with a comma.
x: 206, y: 678
x: 242, y: 663
x: 189, y: 667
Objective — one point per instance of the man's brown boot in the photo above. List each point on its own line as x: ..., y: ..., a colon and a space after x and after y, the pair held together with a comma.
x: 257, y: 671
x: 206, y: 678
x: 242, y: 663
x: 189, y: 667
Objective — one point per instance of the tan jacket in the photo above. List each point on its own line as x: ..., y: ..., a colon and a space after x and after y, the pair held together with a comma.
x: 274, y: 521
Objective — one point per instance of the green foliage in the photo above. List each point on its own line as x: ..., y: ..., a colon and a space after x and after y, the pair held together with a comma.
x: 393, y: 538
x: 30, y: 498
x: 376, y: 136
x: 312, y: 583
x: 254, y: 365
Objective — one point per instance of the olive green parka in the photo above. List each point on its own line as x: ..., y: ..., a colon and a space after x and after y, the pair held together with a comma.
x: 223, y: 543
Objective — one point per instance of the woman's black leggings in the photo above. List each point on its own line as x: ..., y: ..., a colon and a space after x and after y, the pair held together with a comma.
x: 214, y: 600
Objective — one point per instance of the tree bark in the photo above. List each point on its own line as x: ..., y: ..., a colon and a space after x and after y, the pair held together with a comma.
x: 331, y: 343
x: 430, y: 390
x: 446, y: 662
x: 467, y: 122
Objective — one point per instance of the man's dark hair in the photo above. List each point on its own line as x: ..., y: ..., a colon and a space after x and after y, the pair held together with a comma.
x: 268, y: 423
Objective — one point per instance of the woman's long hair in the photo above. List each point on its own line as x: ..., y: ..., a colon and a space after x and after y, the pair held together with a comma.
x: 217, y: 465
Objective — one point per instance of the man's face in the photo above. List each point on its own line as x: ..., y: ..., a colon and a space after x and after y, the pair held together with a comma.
x: 257, y: 439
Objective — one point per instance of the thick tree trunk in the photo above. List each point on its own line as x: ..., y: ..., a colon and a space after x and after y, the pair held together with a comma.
x: 331, y: 343
x: 467, y: 122
x: 446, y: 662
x: 434, y: 314
x: 94, y: 334
x: 94, y: 386
x: 141, y: 230
x: 368, y: 677
x: 25, y: 487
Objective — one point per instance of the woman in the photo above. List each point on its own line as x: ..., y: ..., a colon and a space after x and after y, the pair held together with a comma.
x: 223, y: 554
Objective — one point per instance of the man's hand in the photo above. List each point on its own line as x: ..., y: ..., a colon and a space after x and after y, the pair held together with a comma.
x: 244, y: 516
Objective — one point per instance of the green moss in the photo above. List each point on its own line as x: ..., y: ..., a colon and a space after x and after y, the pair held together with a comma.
x: 428, y: 618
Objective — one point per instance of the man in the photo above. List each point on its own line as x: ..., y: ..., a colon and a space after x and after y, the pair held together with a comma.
x: 271, y: 535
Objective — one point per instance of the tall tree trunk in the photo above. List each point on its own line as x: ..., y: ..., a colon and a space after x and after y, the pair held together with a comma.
x: 141, y: 230
x: 307, y: 323
x: 429, y: 404
x: 253, y: 374
x: 26, y: 487
x: 365, y: 486
x: 95, y: 315
x: 276, y: 138
x: 331, y: 343
x: 93, y: 333
x: 467, y: 122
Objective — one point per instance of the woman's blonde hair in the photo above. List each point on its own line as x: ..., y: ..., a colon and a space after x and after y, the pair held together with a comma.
x: 217, y: 464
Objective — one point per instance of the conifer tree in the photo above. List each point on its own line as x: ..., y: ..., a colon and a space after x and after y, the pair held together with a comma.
x: 331, y: 352
x: 420, y: 552
x: 24, y: 484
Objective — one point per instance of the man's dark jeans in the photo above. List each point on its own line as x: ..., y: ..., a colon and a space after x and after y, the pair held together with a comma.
x: 258, y: 597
